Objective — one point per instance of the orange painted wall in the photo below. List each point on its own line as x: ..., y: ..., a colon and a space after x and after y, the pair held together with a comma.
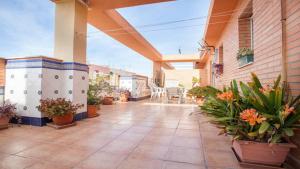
x: 2, y: 72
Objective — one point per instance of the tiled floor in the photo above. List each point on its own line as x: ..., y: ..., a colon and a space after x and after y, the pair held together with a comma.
x: 133, y: 135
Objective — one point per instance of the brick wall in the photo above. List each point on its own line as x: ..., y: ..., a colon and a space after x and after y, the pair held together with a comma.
x: 244, y: 33
x: 293, y: 45
x: 267, y: 36
x: 293, y: 63
x: 267, y: 43
x: 268, y: 40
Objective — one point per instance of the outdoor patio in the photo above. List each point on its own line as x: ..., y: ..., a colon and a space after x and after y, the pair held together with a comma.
x: 134, y: 135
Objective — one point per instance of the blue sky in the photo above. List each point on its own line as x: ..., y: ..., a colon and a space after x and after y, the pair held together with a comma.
x: 27, y: 29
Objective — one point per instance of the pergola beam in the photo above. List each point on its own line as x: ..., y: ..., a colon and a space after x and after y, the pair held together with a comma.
x: 103, y: 16
x: 181, y: 58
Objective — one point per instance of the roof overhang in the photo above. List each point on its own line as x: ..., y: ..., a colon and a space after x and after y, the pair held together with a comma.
x: 219, y: 15
x: 103, y: 16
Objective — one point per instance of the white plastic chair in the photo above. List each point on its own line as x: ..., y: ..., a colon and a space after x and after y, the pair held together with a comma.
x: 153, y: 92
x: 175, y: 92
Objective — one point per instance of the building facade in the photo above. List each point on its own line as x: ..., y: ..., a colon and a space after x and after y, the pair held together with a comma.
x: 270, y: 28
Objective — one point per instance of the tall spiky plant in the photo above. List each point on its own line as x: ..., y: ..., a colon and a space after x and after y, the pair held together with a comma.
x: 257, y: 113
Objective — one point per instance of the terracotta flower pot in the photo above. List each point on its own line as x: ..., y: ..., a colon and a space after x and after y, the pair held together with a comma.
x: 92, y: 111
x: 4, y: 122
x: 262, y: 153
x: 124, y: 97
x: 108, y: 100
x: 63, y: 120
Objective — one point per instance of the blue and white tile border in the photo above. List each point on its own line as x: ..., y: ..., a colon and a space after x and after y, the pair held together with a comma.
x: 34, y: 74
x: 43, y: 62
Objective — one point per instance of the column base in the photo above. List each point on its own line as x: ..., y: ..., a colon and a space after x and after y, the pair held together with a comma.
x: 36, y: 121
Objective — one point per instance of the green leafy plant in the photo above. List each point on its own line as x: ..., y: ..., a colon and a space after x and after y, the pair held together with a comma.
x: 257, y: 113
x: 93, y: 94
x: 93, y: 100
x: 244, y: 52
x: 57, y: 107
x: 180, y: 85
x: 203, y: 91
x: 100, y: 87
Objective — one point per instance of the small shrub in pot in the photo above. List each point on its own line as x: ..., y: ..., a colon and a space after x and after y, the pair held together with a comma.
x: 7, y: 112
x: 60, y: 110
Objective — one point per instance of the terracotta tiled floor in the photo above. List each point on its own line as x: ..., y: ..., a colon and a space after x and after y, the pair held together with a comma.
x: 131, y: 135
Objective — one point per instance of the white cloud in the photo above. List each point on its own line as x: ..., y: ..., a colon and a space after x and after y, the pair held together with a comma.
x: 23, y: 31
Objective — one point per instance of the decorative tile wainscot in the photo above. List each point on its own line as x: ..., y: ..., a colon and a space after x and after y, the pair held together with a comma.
x: 30, y: 79
x: 137, y: 85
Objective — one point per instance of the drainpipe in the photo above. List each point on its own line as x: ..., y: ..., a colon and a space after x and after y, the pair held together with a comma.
x: 283, y: 41
x: 211, y: 68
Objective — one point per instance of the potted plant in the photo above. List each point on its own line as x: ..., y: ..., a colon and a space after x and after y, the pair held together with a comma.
x: 104, y: 90
x: 93, y: 100
x: 244, y: 56
x: 93, y: 105
x: 124, y: 95
x: 199, y: 93
x: 218, y: 69
x: 261, y: 119
x: 60, y: 110
x: 108, y: 99
x: 7, y: 112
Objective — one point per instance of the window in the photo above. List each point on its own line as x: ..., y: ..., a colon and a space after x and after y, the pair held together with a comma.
x: 246, y: 43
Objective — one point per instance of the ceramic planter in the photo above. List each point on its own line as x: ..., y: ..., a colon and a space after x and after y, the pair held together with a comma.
x: 108, y: 100
x: 245, y: 59
x: 4, y: 122
x: 92, y: 111
x: 262, y: 153
x: 63, y: 120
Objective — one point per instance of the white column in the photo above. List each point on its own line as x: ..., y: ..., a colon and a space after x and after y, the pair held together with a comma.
x: 30, y: 79
x: 70, y: 47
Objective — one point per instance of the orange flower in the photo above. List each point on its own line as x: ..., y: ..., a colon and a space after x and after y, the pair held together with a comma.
x: 287, y: 111
x: 265, y: 89
x: 227, y: 96
x: 260, y: 119
x: 252, y: 117
x: 248, y: 113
